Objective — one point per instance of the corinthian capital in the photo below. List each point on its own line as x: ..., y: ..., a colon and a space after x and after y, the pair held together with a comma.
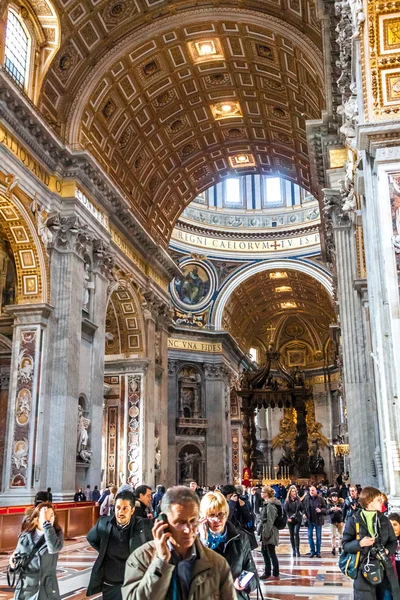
x: 103, y: 258
x: 71, y: 235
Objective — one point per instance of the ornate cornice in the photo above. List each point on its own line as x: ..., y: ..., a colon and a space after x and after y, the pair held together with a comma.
x: 22, y: 117
x: 237, y: 234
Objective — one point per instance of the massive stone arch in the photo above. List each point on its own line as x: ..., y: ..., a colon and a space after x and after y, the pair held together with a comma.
x: 313, y: 269
x: 31, y: 260
x: 124, y: 322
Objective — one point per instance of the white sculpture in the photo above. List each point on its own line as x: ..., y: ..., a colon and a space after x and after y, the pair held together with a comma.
x: 87, y: 285
x: 83, y: 436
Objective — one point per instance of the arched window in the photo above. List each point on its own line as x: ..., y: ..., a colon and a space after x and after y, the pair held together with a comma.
x: 16, y: 59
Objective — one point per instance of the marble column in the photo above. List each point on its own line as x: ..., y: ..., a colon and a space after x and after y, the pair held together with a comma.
x: 357, y: 387
x: 71, y: 241
x: 27, y: 413
x: 163, y: 414
x: 379, y: 218
x: 102, y: 264
x: 217, y: 443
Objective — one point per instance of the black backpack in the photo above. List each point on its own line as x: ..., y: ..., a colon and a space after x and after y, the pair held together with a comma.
x: 281, y: 518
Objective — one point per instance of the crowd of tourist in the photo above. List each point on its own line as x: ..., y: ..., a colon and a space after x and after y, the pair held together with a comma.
x: 188, y: 542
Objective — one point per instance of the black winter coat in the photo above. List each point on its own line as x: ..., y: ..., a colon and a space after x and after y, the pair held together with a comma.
x: 362, y: 589
x: 237, y: 553
x: 98, y: 536
x: 294, y: 510
x: 320, y: 504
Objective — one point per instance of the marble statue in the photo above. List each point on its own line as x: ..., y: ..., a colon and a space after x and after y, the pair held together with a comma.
x: 87, y: 286
x: 187, y: 465
x: 83, y: 436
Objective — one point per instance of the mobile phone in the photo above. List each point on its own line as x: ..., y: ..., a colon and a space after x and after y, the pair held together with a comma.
x: 245, y: 577
x: 163, y: 517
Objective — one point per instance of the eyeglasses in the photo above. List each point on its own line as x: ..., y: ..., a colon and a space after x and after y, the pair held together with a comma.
x: 219, y: 516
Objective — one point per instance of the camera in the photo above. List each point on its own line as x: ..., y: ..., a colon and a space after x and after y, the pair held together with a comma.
x: 20, y: 561
x: 379, y: 553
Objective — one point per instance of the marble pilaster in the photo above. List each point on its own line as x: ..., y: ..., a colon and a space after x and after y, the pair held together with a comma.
x: 217, y: 442
x: 357, y: 387
x: 27, y: 407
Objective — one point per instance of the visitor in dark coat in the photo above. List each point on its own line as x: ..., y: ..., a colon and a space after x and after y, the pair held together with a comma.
x: 115, y: 538
x: 375, y: 530
x: 39, y: 579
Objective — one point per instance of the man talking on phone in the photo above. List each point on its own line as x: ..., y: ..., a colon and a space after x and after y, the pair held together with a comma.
x: 176, y: 565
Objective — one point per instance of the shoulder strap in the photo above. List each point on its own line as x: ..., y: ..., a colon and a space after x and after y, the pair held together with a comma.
x: 357, y: 530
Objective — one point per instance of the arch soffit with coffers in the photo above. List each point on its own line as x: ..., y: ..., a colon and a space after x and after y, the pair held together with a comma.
x: 124, y: 311
x: 181, y: 445
x: 30, y: 256
x: 160, y: 199
x: 321, y: 274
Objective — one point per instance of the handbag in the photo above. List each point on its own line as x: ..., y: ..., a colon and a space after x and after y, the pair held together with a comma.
x: 373, y: 570
x: 349, y: 563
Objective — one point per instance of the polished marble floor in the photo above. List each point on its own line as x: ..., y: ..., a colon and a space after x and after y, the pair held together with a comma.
x: 300, y: 578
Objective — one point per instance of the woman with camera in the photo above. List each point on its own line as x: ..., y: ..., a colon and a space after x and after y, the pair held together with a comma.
x: 370, y: 533
x: 34, y: 560
x: 294, y: 511
x: 217, y: 533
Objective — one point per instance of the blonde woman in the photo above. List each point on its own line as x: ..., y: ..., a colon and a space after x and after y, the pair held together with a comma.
x: 41, y: 541
x: 222, y: 537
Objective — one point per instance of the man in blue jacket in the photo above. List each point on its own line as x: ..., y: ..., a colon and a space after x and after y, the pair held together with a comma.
x: 115, y: 538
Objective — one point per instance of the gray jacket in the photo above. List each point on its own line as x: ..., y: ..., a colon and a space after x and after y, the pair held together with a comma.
x: 269, y: 512
x: 149, y: 578
x: 39, y: 581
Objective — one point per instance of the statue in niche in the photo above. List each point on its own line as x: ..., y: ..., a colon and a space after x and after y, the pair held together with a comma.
x: 83, y: 437
x: 187, y: 465
x: 317, y: 463
x: 157, y: 346
x: 87, y: 286
x: 42, y: 218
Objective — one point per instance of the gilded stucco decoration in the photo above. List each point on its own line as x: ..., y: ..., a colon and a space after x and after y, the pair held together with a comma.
x: 381, y: 46
x: 316, y: 438
x: 292, y: 312
x: 286, y: 438
x: 124, y: 322
x: 31, y: 261
x: 144, y: 108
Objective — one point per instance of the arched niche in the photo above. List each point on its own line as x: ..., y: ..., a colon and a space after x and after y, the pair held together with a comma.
x: 189, y: 392
x: 191, y: 462
x: 124, y: 322
x: 30, y: 257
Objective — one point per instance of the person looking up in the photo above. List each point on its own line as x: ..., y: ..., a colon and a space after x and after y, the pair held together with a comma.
x: 44, y: 539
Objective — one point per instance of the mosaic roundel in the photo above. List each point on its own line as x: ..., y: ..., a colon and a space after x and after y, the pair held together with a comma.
x: 195, y: 288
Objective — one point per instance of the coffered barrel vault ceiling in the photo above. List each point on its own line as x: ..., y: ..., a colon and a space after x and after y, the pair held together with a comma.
x: 285, y: 307
x: 131, y: 86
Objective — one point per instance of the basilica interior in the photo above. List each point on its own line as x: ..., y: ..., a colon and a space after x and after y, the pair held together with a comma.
x: 199, y: 243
